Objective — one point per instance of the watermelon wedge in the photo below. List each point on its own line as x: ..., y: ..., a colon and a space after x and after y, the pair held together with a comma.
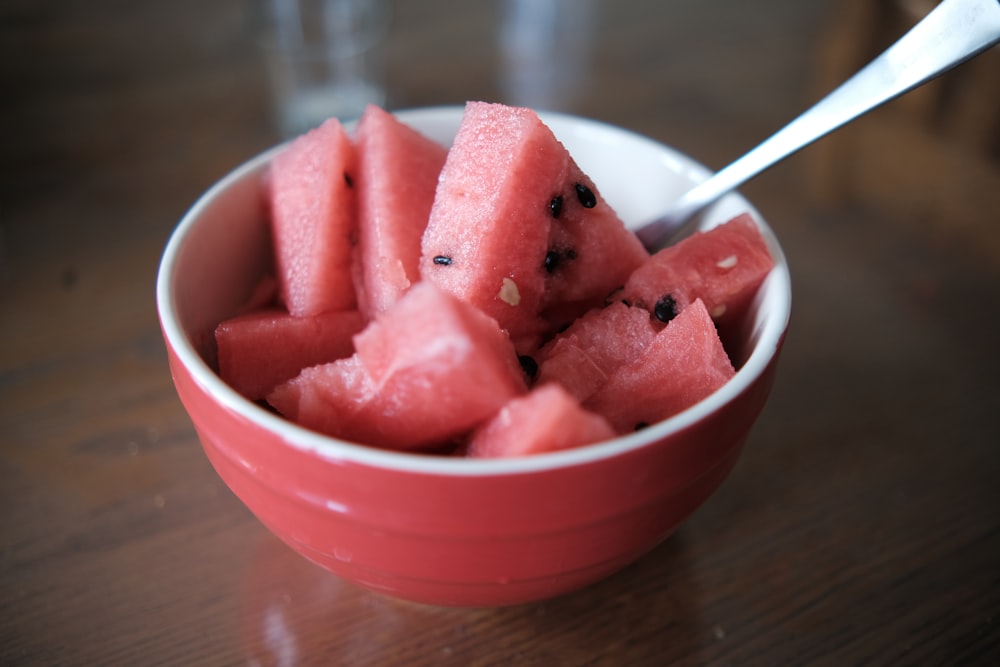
x: 683, y: 364
x: 547, y: 419
x: 313, y: 219
x: 723, y: 267
x: 581, y: 357
x: 263, y: 348
x: 426, y: 371
x: 333, y: 398
x: 518, y: 230
x: 397, y: 176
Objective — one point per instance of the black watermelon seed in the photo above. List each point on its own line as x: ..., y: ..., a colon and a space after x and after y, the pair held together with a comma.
x: 555, y: 206
x: 551, y: 260
x: 665, y: 309
x: 641, y: 425
x: 442, y: 260
x: 586, y: 196
x: 348, y: 180
x: 529, y: 365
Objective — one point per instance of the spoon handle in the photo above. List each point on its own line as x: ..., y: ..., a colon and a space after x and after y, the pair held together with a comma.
x: 951, y: 33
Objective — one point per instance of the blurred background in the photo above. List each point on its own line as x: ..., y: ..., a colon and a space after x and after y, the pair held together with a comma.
x: 874, y: 466
x: 93, y: 89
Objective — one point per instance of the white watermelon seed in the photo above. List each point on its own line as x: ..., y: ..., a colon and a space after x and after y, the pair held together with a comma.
x: 728, y: 262
x: 509, y: 293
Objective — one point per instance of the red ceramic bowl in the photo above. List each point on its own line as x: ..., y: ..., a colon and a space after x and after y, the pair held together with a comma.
x: 448, y: 530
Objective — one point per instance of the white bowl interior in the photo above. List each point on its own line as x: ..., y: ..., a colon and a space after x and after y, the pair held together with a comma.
x: 222, y: 246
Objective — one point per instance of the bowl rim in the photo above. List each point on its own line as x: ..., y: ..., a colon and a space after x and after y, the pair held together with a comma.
x: 342, y: 451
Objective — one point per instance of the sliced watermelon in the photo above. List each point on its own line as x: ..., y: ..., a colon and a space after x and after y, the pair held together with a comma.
x: 334, y: 398
x: 570, y: 366
x: 518, y: 230
x: 505, y: 256
x: 581, y: 357
x: 426, y: 371
x: 590, y: 254
x: 683, y: 364
x: 397, y: 175
x: 723, y: 267
x: 314, y: 220
x: 433, y: 324
x: 261, y: 349
x: 547, y: 419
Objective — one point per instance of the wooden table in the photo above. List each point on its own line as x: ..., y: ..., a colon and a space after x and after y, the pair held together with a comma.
x: 861, y: 526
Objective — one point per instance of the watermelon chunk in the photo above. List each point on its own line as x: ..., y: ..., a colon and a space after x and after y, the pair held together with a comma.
x: 545, y: 420
x: 683, y: 364
x: 261, y: 349
x: 518, y: 230
x: 426, y: 371
x: 581, y: 357
x: 333, y: 398
x: 723, y: 267
x: 313, y: 219
x: 397, y: 176
x: 590, y: 252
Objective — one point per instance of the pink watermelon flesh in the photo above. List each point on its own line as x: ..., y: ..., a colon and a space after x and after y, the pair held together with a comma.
x: 334, y: 398
x: 723, y: 267
x: 545, y: 420
x: 591, y: 253
x: 313, y: 218
x: 426, y: 371
x: 581, y: 357
x: 261, y: 349
x: 397, y: 175
x: 511, y: 202
x: 569, y: 365
x: 682, y: 365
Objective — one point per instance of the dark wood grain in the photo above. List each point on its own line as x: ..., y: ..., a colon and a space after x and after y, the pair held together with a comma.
x: 861, y: 526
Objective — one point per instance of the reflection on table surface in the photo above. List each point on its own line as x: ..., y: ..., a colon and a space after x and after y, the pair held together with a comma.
x: 860, y: 525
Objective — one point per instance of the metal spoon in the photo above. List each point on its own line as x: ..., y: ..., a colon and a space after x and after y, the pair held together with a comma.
x: 950, y: 34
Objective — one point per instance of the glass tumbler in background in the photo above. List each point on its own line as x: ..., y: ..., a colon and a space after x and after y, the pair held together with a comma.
x: 324, y: 58
x: 546, y: 50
